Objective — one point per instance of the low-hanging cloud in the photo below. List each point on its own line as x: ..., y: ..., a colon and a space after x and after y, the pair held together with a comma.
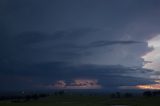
x: 110, y: 43
x: 76, y: 84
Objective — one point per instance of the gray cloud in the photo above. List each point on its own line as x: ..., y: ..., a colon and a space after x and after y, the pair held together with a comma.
x: 68, y: 45
x: 48, y: 40
x: 48, y: 73
x: 109, y: 43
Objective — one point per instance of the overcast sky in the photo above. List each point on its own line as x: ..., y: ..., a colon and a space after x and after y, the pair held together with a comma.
x: 75, y: 44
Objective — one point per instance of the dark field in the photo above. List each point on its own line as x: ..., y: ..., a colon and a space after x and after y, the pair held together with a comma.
x: 86, y: 101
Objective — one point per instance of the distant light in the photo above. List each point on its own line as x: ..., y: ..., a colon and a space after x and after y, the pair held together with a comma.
x: 149, y: 87
x: 144, y: 87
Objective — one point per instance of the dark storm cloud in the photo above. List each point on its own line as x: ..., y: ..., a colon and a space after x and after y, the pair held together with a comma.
x: 51, y: 40
x: 73, y: 33
x: 60, y: 35
x: 60, y: 46
x: 100, y: 44
x: 28, y: 46
x: 65, y: 37
x: 109, y: 43
x: 49, y: 73
x: 63, y: 70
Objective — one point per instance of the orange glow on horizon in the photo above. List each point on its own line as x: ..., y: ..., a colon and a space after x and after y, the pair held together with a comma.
x: 155, y: 86
x: 149, y: 87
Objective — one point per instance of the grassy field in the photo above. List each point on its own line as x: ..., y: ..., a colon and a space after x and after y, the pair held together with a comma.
x: 87, y: 101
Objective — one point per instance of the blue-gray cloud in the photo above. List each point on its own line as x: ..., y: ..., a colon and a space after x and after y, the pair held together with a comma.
x: 49, y: 73
x: 109, y: 43
x: 48, y: 40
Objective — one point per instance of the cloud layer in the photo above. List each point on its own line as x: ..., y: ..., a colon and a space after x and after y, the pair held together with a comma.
x: 76, y: 84
x: 46, y: 41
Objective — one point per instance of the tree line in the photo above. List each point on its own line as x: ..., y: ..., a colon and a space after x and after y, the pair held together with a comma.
x: 25, y: 98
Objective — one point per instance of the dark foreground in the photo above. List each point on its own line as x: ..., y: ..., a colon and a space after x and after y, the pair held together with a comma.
x: 86, y: 101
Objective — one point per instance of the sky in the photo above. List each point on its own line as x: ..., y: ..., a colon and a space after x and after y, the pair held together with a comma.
x: 79, y: 44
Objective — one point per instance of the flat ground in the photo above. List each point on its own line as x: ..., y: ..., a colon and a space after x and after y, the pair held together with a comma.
x: 87, y: 101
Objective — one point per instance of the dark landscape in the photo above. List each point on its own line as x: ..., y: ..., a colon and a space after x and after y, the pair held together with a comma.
x: 61, y: 98
x: 79, y: 52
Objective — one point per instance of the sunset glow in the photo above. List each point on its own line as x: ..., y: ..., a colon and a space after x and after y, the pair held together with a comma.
x: 155, y: 86
x: 149, y: 87
x: 76, y: 84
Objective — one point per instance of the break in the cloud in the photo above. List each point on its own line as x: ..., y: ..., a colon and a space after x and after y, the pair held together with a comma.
x: 76, y: 84
x: 152, y: 58
x: 155, y: 86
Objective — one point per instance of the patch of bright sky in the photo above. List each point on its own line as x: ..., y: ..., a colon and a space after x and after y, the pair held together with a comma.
x: 152, y: 58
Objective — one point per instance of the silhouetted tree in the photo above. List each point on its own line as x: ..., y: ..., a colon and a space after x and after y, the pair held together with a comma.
x: 118, y: 95
x: 56, y: 93
x: 43, y: 95
x: 61, y: 92
x: 147, y: 93
x: 35, y: 96
x: 2, y: 98
x: 128, y: 95
x: 113, y: 95
x: 27, y: 98
x: 156, y: 93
